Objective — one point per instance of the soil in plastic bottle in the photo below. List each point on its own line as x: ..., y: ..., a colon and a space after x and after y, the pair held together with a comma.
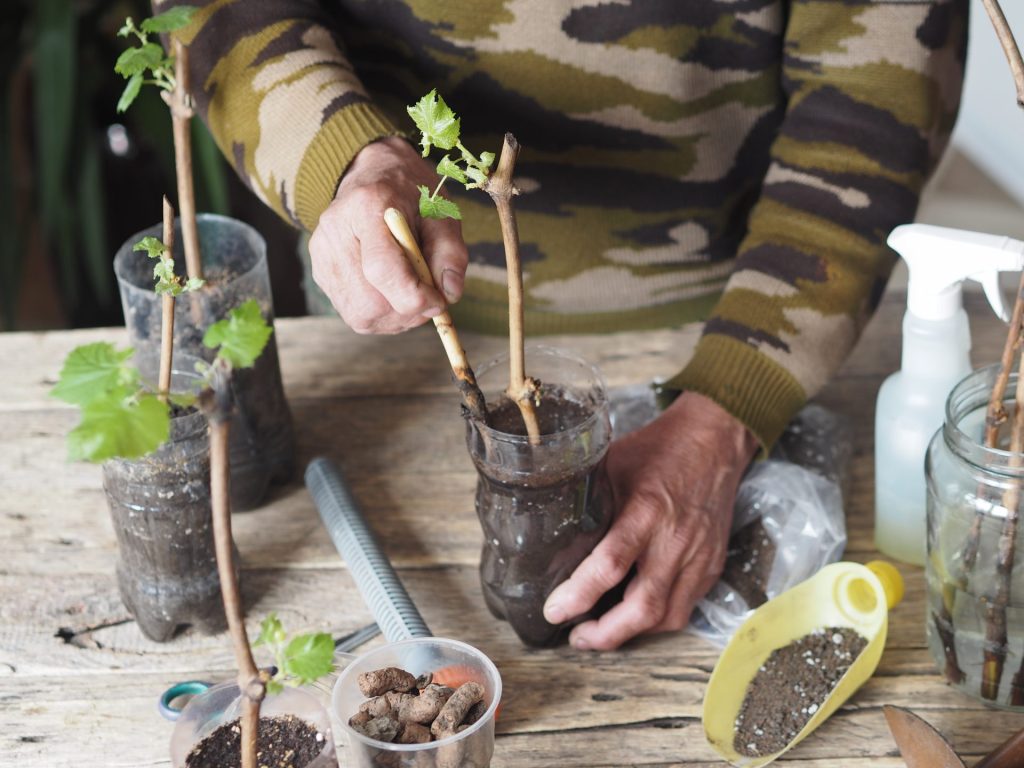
x: 791, y: 686
x: 540, y: 526
x: 283, y: 742
x: 160, y: 510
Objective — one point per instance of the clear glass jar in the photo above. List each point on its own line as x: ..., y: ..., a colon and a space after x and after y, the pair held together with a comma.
x: 542, y: 507
x: 235, y: 268
x: 975, y: 567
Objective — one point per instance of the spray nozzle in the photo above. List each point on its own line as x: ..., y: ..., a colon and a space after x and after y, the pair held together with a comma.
x: 940, y: 259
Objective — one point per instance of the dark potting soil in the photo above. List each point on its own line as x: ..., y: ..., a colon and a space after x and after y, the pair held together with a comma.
x: 790, y: 687
x: 557, y: 412
x: 540, y: 525
x: 748, y: 563
x: 284, y: 742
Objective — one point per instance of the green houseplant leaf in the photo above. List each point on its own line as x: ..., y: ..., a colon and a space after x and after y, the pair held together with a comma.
x: 241, y: 336
x: 92, y: 371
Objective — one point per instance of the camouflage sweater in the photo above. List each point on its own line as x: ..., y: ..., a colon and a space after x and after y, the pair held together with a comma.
x: 738, y: 162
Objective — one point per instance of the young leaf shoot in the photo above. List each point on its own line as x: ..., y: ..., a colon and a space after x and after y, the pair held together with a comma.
x: 300, y: 660
x: 163, y: 272
x: 147, y: 64
x: 439, y: 127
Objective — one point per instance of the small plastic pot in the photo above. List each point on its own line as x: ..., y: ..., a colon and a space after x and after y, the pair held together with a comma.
x: 472, y: 748
x: 221, y: 704
x: 161, y: 513
x: 542, y: 507
x: 235, y: 268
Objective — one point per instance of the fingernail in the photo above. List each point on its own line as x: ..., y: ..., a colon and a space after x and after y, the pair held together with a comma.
x: 580, y: 644
x: 554, y: 613
x: 451, y: 285
x: 433, y: 312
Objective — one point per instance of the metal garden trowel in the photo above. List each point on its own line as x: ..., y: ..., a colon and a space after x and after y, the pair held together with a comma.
x: 924, y: 747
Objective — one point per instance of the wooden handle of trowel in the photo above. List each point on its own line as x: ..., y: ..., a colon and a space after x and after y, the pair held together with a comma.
x: 445, y: 327
x: 1009, y: 754
x: 403, y: 234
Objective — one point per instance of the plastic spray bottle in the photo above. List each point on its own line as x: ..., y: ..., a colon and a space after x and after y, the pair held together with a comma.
x: 936, y: 355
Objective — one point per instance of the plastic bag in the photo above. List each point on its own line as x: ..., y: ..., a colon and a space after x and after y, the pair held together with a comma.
x: 788, y: 521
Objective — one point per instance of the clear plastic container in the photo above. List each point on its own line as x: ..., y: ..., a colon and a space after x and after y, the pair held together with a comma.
x: 976, y: 605
x: 161, y: 513
x: 543, y: 508
x: 235, y: 267
x: 472, y: 748
x: 208, y: 711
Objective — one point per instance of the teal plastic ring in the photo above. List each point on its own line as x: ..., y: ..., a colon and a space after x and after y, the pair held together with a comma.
x: 189, y: 688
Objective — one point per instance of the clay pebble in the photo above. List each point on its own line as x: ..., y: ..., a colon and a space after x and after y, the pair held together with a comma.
x: 380, y: 681
x: 456, y: 708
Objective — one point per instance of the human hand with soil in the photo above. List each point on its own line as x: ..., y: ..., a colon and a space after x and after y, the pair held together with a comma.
x: 357, y: 262
x: 674, y: 483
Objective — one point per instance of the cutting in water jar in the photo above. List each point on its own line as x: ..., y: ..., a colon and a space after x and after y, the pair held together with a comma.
x: 975, y: 566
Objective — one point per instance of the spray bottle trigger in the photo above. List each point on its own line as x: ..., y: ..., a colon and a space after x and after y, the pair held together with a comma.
x: 990, y: 284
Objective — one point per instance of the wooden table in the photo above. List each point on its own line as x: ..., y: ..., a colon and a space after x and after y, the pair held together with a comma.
x: 79, y: 683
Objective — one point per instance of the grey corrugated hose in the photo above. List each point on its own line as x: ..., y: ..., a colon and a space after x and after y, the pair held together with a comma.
x: 378, y: 583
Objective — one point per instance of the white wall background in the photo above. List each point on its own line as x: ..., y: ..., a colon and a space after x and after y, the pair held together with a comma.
x: 990, y: 129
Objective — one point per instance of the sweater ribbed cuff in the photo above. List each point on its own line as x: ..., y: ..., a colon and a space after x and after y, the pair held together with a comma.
x: 759, y: 392
x: 329, y: 154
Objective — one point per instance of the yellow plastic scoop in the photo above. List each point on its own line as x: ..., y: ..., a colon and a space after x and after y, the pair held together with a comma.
x: 839, y: 595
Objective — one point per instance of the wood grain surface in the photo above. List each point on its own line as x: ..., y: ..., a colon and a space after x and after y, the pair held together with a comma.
x: 79, y: 683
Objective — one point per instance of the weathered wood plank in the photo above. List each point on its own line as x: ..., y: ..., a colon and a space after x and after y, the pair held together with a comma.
x: 320, y: 357
x: 54, y: 722
x: 405, y: 459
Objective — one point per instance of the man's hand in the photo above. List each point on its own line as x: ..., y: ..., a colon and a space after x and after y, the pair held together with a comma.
x: 675, y: 484
x: 357, y: 262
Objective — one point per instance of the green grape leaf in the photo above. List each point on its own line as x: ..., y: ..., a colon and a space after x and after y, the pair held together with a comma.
x: 271, y: 630
x: 131, y: 90
x: 153, y: 247
x: 447, y: 167
x: 170, y: 20
x: 478, y: 177
x: 437, y: 207
x: 194, y: 284
x: 166, y: 280
x: 119, y: 425
x: 437, y: 123
x: 274, y: 687
x: 135, y: 61
x: 241, y: 337
x: 486, y: 160
x: 92, y: 371
x: 182, y: 399
x: 309, y: 657
x: 127, y: 28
